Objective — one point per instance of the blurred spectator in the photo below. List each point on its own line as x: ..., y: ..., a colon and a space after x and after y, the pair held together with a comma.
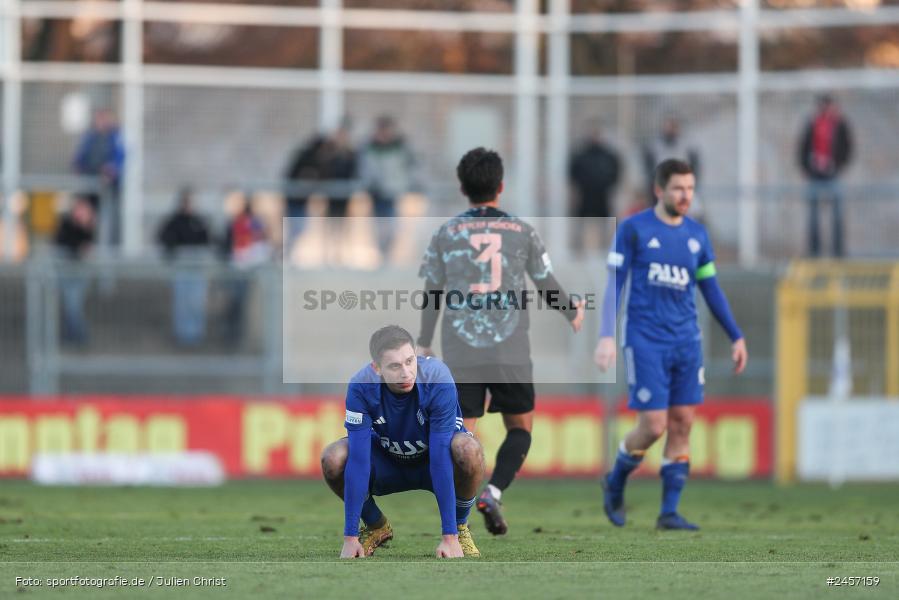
x: 247, y: 247
x: 388, y: 169
x: 101, y: 154
x: 184, y: 237
x: 668, y: 144
x: 825, y: 149
x: 74, y: 240
x: 594, y: 170
x: 330, y: 159
x: 338, y: 163
x: 303, y: 166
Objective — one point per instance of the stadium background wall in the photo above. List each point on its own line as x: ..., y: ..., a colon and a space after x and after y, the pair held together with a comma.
x: 732, y: 437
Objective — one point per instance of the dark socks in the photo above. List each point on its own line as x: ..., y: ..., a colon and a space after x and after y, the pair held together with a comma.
x: 510, y: 457
x: 371, y: 514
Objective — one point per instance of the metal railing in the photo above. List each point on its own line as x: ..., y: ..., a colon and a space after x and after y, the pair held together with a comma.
x: 94, y: 320
x: 869, y: 212
x: 129, y: 343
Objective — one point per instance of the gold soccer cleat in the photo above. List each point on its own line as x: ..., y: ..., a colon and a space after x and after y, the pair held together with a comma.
x: 467, y: 542
x: 372, y: 538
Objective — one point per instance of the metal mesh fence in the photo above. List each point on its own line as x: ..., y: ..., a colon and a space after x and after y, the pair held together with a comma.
x: 14, y: 304
x: 48, y: 109
x: 184, y: 327
x: 113, y: 327
x: 440, y: 128
x: 222, y: 136
x: 867, y: 340
x: 632, y: 123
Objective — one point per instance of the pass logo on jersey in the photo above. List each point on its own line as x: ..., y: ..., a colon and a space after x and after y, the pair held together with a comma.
x: 669, y: 275
x: 405, y: 449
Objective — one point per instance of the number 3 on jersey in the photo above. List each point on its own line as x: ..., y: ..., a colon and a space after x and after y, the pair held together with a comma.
x: 494, y: 242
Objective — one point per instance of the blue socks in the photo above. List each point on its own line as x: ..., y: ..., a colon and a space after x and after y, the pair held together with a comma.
x: 674, y: 476
x: 371, y: 514
x: 463, y: 509
x: 625, y: 463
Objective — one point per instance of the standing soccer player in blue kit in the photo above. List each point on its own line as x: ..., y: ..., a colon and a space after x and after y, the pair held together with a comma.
x: 665, y: 254
x: 405, y: 433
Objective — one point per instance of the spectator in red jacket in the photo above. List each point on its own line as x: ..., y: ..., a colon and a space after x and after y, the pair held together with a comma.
x: 825, y: 150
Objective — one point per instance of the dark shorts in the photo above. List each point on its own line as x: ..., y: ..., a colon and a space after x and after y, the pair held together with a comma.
x: 511, y: 389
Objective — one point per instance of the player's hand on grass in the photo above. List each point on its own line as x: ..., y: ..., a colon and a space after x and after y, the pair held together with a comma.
x: 740, y: 355
x: 424, y: 351
x: 605, y: 353
x: 352, y: 548
x: 578, y: 320
x: 449, y: 547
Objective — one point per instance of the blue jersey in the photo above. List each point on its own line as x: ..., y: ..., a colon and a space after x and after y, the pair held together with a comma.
x: 664, y: 263
x: 404, y: 422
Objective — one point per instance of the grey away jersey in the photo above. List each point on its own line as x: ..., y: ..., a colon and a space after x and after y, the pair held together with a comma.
x: 481, y: 258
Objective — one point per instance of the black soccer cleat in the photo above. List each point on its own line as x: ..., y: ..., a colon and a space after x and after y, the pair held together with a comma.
x: 493, y: 515
x: 613, y: 503
x: 674, y: 522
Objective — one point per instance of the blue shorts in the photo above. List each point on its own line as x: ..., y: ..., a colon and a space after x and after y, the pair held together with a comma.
x: 389, y: 476
x: 662, y: 376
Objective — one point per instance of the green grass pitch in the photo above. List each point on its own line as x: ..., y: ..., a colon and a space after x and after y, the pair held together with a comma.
x: 281, y: 540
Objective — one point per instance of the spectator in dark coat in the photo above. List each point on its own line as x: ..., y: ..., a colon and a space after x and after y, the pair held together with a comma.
x: 74, y: 240
x: 825, y: 149
x: 329, y: 159
x: 594, y: 170
x: 184, y: 237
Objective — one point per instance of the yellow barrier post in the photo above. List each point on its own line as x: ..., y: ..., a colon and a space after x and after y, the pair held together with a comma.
x: 792, y: 340
x: 892, y: 341
x: 822, y: 284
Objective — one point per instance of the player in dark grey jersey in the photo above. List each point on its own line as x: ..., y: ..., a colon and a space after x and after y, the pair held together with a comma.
x: 476, y: 269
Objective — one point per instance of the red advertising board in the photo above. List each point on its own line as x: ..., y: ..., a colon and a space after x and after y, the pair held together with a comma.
x: 284, y: 437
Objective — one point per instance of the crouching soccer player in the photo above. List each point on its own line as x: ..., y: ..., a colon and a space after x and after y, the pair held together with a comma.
x: 666, y: 254
x: 405, y: 433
